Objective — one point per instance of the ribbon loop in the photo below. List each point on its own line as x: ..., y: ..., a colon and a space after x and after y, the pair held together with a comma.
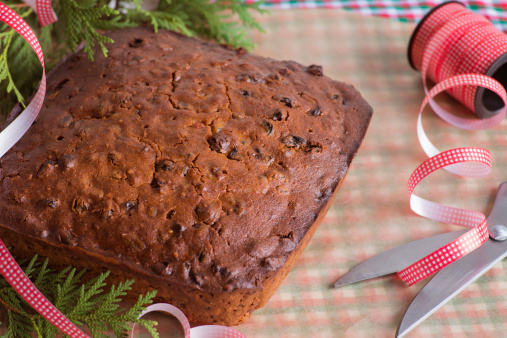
x: 45, y: 13
x: 205, y: 331
x: 454, y: 48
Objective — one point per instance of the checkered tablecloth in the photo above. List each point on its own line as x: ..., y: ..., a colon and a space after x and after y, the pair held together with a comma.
x: 371, y: 212
x: 403, y: 10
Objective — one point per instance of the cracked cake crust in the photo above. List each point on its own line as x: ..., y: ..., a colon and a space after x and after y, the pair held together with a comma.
x: 197, y: 169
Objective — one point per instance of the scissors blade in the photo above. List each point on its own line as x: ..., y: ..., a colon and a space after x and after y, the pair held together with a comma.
x: 397, y: 258
x: 449, y: 281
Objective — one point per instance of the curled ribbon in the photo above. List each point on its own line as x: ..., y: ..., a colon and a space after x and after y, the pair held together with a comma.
x: 9, y: 269
x: 450, y: 42
x: 205, y: 331
x: 45, y: 13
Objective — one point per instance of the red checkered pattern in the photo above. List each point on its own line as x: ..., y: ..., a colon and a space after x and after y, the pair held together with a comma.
x: 446, y: 255
x: 10, y: 17
x: 20, y: 125
x: 370, y: 213
x: 431, y: 25
x: 404, y: 10
x: 476, y: 220
x: 452, y: 41
x: 45, y: 13
x: 467, y: 80
x: 451, y: 157
x: 438, y: 51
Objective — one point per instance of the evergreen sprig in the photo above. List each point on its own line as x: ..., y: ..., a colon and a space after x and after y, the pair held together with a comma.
x: 83, y: 304
x: 5, y: 74
x: 224, y: 21
x: 80, y: 19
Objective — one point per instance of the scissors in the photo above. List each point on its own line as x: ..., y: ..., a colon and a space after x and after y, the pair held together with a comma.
x: 449, y: 281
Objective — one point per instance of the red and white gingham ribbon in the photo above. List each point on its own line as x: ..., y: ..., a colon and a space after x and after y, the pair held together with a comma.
x: 454, y: 47
x: 45, y: 13
x: 9, y: 269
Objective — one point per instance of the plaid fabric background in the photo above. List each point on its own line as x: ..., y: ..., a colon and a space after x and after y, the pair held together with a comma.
x: 371, y: 212
x: 403, y: 10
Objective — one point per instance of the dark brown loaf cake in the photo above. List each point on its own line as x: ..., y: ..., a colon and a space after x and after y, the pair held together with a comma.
x: 198, y: 170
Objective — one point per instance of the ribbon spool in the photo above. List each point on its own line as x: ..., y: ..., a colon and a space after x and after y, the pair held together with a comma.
x: 479, y: 48
x: 458, y: 50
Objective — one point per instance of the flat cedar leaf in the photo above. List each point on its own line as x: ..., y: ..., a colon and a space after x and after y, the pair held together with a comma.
x: 5, y: 74
x: 116, y: 22
x: 12, y: 87
x: 141, y: 16
x: 46, y: 328
x: 134, y: 312
x: 11, y: 298
x: 65, y: 295
x: 87, y: 3
x: 171, y: 22
x: 79, y: 18
x: 86, y: 293
x: 84, y: 304
x: 138, y: 3
x: 19, y: 326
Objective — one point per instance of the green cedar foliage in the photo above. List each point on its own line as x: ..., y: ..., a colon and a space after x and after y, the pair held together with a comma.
x: 224, y: 21
x: 85, y: 304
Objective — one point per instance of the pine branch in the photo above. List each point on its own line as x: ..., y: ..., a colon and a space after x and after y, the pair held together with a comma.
x: 132, y: 314
x: 5, y: 73
x: 80, y: 19
x: 222, y: 20
x: 65, y: 292
x: 20, y: 69
x: 108, y: 313
x: 21, y: 326
x: 84, y: 304
x: 159, y: 19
